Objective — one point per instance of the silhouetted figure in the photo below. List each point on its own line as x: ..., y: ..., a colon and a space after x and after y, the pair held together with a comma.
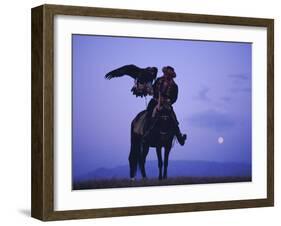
x: 165, y: 93
x: 157, y: 125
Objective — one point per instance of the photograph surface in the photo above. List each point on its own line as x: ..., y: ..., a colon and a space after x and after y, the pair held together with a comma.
x: 158, y: 112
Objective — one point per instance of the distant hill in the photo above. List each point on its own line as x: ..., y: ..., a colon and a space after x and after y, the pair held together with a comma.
x: 177, y: 168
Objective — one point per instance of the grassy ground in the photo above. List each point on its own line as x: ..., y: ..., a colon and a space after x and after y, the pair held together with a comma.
x: 125, y: 182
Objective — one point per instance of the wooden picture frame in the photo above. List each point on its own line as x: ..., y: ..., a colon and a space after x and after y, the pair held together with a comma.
x: 43, y: 112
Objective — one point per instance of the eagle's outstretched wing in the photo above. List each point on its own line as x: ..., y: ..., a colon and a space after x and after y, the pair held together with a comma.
x: 143, y: 78
x: 131, y: 70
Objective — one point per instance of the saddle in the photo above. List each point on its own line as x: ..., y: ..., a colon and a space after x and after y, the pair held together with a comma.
x: 142, y: 122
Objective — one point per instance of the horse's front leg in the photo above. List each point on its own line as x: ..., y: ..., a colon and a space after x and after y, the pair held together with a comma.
x: 166, y: 160
x: 160, y: 162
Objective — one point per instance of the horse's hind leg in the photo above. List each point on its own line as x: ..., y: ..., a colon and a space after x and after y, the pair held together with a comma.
x: 133, y: 164
x: 160, y: 162
x: 144, y: 153
x: 166, y: 160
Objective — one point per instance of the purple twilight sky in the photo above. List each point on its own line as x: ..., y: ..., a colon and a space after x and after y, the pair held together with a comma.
x: 214, y: 80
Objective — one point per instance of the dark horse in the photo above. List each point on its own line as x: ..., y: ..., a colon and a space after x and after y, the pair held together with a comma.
x: 162, y: 135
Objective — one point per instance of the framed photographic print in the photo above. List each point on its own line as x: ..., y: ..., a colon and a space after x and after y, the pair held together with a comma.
x: 142, y: 112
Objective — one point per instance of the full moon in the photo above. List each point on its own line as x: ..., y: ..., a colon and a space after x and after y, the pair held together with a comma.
x: 220, y: 140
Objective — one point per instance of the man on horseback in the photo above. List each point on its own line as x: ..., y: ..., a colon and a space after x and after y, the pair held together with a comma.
x: 158, y: 116
x: 165, y: 94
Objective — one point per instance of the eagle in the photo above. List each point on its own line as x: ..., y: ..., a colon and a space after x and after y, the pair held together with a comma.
x: 143, y: 77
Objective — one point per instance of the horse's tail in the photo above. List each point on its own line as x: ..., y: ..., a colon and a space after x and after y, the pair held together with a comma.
x: 134, y: 150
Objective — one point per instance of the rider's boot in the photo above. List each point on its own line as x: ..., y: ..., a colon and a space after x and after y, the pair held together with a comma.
x: 181, y: 137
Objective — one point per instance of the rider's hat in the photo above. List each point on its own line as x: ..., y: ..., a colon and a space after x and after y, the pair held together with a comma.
x: 166, y: 68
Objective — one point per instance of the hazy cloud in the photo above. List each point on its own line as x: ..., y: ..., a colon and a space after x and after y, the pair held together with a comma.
x: 212, y: 119
x: 242, y: 76
x: 226, y: 99
x: 242, y: 82
x: 238, y: 89
x: 203, y: 94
